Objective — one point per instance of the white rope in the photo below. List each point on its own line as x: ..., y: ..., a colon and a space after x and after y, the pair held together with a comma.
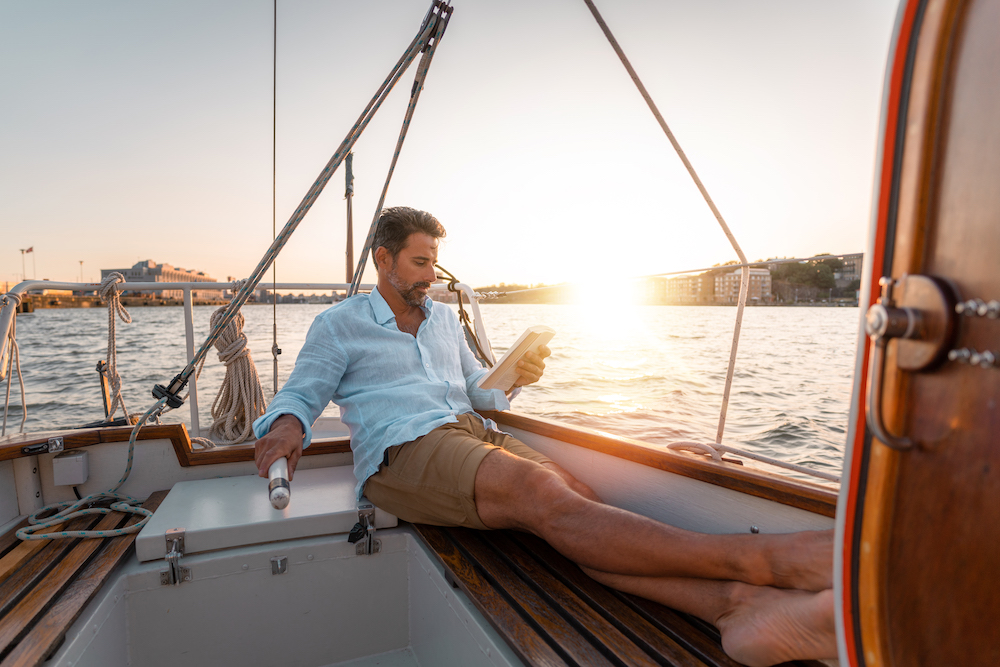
x: 241, y: 398
x: 717, y: 450
x: 13, y: 360
x: 109, y: 292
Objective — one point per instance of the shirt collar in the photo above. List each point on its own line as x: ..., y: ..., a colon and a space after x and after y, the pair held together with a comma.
x: 383, y: 313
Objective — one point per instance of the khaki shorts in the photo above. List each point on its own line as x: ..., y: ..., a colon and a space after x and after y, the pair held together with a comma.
x: 432, y: 479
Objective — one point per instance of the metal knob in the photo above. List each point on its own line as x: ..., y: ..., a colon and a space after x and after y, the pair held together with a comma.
x: 922, y: 323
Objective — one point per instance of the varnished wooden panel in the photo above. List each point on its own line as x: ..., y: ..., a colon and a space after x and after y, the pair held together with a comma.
x: 943, y: 577
x: 928, y: 558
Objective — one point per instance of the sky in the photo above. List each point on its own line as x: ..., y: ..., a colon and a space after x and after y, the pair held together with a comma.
x: 134, y: 130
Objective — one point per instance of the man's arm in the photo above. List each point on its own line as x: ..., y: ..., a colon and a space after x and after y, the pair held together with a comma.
x: 285, y: 429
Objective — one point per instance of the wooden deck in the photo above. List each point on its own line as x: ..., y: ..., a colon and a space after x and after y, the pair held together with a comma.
x: 45, y: 584
x: 552, y: 614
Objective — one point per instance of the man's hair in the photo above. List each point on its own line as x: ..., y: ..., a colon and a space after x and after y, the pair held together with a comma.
x: 397, y: 223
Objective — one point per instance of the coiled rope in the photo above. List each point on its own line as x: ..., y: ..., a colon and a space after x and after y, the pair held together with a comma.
x: 120, y: 502
x: 109, y: 292
x: 13, y: 360
x: 241, y: 397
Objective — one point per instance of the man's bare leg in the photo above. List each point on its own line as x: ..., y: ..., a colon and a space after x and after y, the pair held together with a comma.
x: 760, y: 625
x: 512, y: 492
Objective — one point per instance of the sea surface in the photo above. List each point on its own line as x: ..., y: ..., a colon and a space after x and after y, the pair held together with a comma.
x: 655, y: 373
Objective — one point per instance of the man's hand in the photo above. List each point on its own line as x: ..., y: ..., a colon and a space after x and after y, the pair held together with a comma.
x: 532, y: 366
x: 284, y: 440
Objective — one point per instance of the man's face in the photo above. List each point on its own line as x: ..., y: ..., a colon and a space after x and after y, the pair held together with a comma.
x: 412, y: 270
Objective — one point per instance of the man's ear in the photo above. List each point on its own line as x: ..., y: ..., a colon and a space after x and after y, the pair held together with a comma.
x: 380, y: 256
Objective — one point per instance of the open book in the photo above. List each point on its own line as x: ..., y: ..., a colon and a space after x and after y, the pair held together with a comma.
x: 504, y: 373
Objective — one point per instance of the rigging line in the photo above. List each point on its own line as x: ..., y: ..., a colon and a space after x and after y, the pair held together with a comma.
x: 745, y: 278
x: 464, y: 316
x: 418, y: 86
x: 275, y: 350
x: 308, y: 200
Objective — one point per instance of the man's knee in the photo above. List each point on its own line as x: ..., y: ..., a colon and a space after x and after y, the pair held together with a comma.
x: 552, y: 499
x: 573, y: 482
x: 514, y: 492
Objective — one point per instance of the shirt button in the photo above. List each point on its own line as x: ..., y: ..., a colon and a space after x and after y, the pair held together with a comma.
x: 427, y: 365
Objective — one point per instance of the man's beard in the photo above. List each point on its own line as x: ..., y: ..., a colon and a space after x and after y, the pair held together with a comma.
x: 407, y: 290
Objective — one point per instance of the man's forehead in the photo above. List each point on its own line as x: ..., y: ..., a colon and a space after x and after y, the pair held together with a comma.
x: 419, y: 243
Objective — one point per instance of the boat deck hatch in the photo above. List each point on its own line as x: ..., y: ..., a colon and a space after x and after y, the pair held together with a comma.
x: 229, y: 512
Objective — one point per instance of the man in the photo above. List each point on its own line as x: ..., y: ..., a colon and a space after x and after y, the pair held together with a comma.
x: 398, y: 366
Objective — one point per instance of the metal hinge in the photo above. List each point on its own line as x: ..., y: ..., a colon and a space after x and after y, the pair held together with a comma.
x: 363, y: 533
x: 175, y: 573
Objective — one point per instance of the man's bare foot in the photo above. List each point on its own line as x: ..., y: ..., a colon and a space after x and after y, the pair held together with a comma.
x: 803, y: 561
x: 767, y: 626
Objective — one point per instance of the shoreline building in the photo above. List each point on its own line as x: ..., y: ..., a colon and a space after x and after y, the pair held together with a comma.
x: 148, y: 271
x: 727, y: 286
x: 852, y: 269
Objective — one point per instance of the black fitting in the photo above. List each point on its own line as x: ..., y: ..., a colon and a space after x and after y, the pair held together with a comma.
x: 173, y: 400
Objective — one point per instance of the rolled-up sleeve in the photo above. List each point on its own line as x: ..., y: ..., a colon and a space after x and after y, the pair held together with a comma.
x: 313, y: 383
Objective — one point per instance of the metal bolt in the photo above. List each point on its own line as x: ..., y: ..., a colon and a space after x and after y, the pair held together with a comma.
x: 993, y: 309
x: 960, y: 355
x: 974, y: 358
x: 754, y: 529
x: 987, y: 359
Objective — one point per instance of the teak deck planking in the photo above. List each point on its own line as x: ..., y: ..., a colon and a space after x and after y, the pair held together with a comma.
x: 43, y: 598
x: 550, y: 613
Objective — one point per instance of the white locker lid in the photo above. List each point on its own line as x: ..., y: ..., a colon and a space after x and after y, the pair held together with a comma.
x: 227, y: 512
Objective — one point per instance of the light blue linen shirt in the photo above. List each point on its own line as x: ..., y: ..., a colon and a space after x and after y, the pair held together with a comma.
x: 391, y: 387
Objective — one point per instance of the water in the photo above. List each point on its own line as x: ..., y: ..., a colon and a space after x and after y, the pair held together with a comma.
x: 654, y: 373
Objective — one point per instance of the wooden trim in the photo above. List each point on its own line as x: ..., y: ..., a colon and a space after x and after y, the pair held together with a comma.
x: 176, y: 433
x: 810, y: 497
x: 245, y: 452
x: 179, y: 438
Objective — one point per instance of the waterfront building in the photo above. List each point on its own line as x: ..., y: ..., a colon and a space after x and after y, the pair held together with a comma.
x: 148, y: 271
x: 690, y: 289
x: 727, y: 286
x: 852, y: 267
